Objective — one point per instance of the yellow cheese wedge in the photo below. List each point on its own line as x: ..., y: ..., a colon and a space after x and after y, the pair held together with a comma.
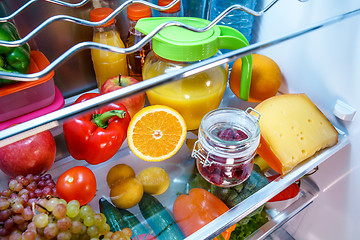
x: 292, y: 129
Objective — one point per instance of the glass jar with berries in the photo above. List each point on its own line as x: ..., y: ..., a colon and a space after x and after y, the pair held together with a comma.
x: 226, y: 145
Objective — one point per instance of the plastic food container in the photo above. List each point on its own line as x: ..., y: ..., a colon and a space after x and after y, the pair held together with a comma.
x: 57, y: 104
x: 227, y: 143
x: 24, y: 97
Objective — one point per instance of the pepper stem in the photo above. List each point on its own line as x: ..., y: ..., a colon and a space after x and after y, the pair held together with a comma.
x: 102, y: 120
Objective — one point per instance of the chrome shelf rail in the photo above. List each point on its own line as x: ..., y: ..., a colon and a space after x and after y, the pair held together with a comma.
x: 120, y: 9
x: 82, y: 21
x: 31, y: 2
x: 88, y: 45
x: 53, y: 119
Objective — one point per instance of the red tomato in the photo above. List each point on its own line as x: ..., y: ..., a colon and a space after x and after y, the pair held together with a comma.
x: 77, y: 183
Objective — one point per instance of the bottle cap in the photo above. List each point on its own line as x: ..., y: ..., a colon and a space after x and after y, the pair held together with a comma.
x: 175, y: 8
x: 137, y: 11
x: 99, y: 14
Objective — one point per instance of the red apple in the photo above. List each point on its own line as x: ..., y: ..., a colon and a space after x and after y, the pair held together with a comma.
x: 35, y: 155
x: 133, y: 103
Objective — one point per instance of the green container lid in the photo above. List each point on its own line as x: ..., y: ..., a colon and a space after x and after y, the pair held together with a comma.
x: 183, y: 45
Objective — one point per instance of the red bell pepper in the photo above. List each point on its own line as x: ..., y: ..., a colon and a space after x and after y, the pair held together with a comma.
x: 197, y: 209
x: 288, y: 193
x: 96, y: 136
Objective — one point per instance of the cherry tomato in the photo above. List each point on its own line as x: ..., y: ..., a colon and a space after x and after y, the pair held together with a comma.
x: 77, y: 183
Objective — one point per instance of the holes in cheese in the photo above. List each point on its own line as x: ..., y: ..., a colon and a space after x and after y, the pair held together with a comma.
x: 292, y: 129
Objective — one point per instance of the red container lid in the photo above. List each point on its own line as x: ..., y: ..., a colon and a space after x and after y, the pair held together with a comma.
x: 38, y: 62
x: 99, y: 14
x: 175, y: 8
x: 137, y: 11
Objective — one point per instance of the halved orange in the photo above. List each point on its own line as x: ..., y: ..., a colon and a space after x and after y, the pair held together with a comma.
x: 156, y: 133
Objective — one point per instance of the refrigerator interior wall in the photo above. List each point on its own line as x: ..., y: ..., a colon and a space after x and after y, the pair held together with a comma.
x: 325, y: 65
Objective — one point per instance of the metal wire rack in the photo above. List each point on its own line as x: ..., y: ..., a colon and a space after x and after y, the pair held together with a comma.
x: 88, y: 45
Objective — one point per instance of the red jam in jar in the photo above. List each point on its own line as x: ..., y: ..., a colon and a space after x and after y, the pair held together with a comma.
x: 227, y: 143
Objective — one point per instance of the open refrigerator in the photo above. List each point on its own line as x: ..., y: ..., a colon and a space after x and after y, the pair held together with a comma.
x: 317, y: 46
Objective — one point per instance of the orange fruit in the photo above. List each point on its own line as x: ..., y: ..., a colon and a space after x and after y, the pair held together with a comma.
x: 266, y: 78
x: 156, y: 133
x: 119, y: 172
x: 155, y: 180
x: 126, y: 193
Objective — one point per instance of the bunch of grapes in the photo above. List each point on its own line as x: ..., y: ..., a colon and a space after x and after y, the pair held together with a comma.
x: 31, y: 210
x: 17, y: 200
x: 56, y: 219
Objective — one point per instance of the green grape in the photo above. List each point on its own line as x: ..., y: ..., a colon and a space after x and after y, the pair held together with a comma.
x: 74, y: 202
x: 83, y: 230
x: 85, y: 211
x: 51, y: 203
x: 76, y: 227
x: 72, y: 210
x: 93, y: 231
x: 104, y: 228
x: 64, y: 235
x: 77, y: 218
x: 41, y: 220
x: 95, y: 238
x: 98, y: 219
x: 89, y: 220
x: 51, y: 230
x: 63, y: 201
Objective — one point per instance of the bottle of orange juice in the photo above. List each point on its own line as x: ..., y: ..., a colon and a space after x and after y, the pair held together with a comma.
x: 107, y: 64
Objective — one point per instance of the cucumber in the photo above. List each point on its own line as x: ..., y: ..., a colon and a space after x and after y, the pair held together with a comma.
x: 159, y: 219
x: 120, y: 218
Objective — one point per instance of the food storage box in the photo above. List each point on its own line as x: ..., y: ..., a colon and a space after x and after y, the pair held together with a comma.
x: 24, y: 97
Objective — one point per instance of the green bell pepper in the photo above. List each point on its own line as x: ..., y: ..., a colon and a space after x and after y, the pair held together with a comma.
x: 12, y: 59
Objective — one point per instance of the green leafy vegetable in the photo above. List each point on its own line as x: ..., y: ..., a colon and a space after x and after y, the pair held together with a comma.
x: 242, y: 231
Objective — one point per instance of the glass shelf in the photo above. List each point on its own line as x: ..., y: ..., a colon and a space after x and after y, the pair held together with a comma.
x: 180, y: 168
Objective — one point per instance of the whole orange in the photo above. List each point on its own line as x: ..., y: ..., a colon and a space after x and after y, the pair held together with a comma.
x: 266, y: 78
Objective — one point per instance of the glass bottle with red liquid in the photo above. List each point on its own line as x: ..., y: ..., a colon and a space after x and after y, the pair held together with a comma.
x: 135, y: 12
x: 226, y: 145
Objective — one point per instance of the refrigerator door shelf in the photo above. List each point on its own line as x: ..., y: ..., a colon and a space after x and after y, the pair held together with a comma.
x: 278, y: 216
